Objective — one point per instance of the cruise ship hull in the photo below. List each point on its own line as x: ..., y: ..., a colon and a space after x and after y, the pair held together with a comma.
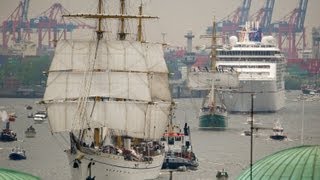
x: 209, y: 120
x: 266, y: 97
x: 110, y: 166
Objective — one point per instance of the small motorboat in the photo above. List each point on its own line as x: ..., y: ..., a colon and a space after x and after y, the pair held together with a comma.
x: 278, y: 132
x: 17, y: 154
x: 247, y: 133
x: 222, y: 174
x: 30, y: 115
x: 41, y: 114
x: 38, y: 120
x: 28, y: 107
x: 30, y: 132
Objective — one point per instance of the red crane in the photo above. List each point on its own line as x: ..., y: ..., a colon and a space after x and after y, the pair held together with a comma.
x: 291, y: 26
x: 230, y: 24
x: 16, y: 27
x: 52, y: 25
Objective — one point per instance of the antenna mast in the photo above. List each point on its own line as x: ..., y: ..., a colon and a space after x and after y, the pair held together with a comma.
x: 100, y: 16
x: 122, y: 34
x: 99, y: 31
x: 213, y: 48
x: 139, y: 37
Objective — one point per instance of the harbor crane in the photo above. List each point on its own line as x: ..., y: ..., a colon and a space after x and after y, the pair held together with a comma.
x: 264, y: 16
x: 230, y: 24
x: 50, y: 25
x: 16, y: 27
x: 289, y: 27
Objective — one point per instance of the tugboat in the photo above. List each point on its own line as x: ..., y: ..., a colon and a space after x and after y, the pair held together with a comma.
x: 30, y: 132
x: 17, y: 154
x: 278, y: 132
x: 7, y: 134
x: 179, y: 155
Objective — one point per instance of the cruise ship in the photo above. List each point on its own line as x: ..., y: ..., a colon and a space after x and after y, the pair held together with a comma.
x: 261, y: 68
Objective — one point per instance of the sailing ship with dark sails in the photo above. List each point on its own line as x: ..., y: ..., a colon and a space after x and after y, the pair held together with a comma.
x: 112, y: 96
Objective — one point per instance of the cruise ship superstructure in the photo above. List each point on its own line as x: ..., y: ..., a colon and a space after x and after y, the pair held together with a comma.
x: 261, y: 68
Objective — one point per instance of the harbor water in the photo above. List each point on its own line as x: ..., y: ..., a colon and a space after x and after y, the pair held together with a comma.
x: 216, y: 149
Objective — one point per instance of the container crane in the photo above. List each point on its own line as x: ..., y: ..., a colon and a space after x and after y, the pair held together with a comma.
x: 230, y: 24
x: 16, y: 26
x: 25, y: 8
x: 52, y: 25
x: 264, y: 16
x: 289, y: 27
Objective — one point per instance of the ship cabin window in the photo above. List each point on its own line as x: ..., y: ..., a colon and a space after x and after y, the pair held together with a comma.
x: 171, y: 140
x: 245, y: 66
x: 247, y: 53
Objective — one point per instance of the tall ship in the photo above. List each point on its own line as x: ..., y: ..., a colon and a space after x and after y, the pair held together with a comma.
x: 213, y: 112
x: 111, y: 97
x: 261, y: 68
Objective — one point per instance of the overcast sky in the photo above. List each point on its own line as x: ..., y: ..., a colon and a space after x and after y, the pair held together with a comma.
x: 177, y: 17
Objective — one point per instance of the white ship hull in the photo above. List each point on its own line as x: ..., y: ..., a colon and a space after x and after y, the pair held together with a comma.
x: 266, y: 97
x: 110, y: 166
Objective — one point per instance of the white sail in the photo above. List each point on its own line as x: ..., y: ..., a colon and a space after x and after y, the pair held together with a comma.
x: 202, y: 80
x: 115, y: 75
x: 129, y: 56
x: 141, y: 120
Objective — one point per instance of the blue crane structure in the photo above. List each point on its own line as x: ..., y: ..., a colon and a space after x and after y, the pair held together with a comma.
x: 289, y: 27
x: 231, y: 23
x: 264, y: 16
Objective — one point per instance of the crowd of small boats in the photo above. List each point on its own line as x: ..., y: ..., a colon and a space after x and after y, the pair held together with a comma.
x: 277, y: 129
x: 8, y: 135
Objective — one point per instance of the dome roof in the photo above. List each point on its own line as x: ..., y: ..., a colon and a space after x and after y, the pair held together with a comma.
x: 302, y: 162
x: 16, y: 175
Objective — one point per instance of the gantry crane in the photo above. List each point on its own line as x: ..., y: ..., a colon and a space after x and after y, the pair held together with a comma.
x: 17, y: 27
x: 264, y: 16
x: 289, y: 27
x: 230, y: 24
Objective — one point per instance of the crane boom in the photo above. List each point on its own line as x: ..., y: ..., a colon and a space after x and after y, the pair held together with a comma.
x: 244, y: 15
x: 25, y: 8
x: 267, y: 15
x: 302, y: 9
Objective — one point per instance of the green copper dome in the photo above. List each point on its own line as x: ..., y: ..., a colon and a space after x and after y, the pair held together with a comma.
x: 8, y: 174
x: 298, y: 163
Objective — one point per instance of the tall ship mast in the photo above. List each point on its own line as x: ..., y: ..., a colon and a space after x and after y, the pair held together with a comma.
x: 113, y: 98
x: 213, y: 112
x: 261, y: 67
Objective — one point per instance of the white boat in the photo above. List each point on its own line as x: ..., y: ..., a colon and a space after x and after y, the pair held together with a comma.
x: 113, y: 98
x: 261, y: 66
x: 41, y: 114
x: 278, y: 131
x: 38, y: 120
